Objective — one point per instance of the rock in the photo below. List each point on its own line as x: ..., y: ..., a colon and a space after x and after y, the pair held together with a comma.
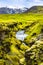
x: 34, y: 56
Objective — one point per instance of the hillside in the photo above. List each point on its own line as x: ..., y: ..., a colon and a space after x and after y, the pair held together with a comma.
x: 14, y: 51
x: 35, y: 9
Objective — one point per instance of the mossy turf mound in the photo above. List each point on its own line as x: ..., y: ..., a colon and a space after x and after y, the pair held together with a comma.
x: 34, y: 56
x: 13, y: 51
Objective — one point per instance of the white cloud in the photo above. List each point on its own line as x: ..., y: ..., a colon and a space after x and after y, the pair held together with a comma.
x: 11, y: 6
x: 38, y: 0
x: 20, y: 3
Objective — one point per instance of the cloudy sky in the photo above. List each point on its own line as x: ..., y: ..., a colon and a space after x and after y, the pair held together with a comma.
x: 20, y: 3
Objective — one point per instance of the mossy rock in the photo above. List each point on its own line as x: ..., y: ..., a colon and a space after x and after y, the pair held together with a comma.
x: 34, y: 56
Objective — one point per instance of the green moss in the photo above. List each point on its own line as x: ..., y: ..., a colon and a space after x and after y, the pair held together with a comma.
x: 12, y: 50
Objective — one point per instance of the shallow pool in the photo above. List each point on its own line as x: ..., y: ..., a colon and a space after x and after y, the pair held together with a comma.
x: 20, y: 35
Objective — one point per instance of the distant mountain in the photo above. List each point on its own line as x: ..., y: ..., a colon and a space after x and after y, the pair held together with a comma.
x: 5, y: 10
x: 35, y: 9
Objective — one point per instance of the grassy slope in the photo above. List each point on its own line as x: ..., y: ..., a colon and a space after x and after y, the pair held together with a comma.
x: 20, y: 17
x: 31, y: 23
x: 36, y: 9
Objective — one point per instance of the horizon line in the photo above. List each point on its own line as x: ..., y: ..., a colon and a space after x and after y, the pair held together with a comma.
x: 18, y: 7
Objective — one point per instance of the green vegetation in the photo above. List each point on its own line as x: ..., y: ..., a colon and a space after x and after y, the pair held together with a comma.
x: 36, y: 9
x: 12, y: 50
x: 24, y: 17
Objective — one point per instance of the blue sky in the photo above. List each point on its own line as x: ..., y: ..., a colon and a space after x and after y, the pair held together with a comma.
x: 20, y: 3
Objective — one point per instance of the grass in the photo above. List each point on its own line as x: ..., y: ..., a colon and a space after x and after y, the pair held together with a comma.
x: 9, y: 25
x: 20, y: 17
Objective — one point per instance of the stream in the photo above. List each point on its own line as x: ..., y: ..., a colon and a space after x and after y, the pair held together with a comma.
x: 20, y: 35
